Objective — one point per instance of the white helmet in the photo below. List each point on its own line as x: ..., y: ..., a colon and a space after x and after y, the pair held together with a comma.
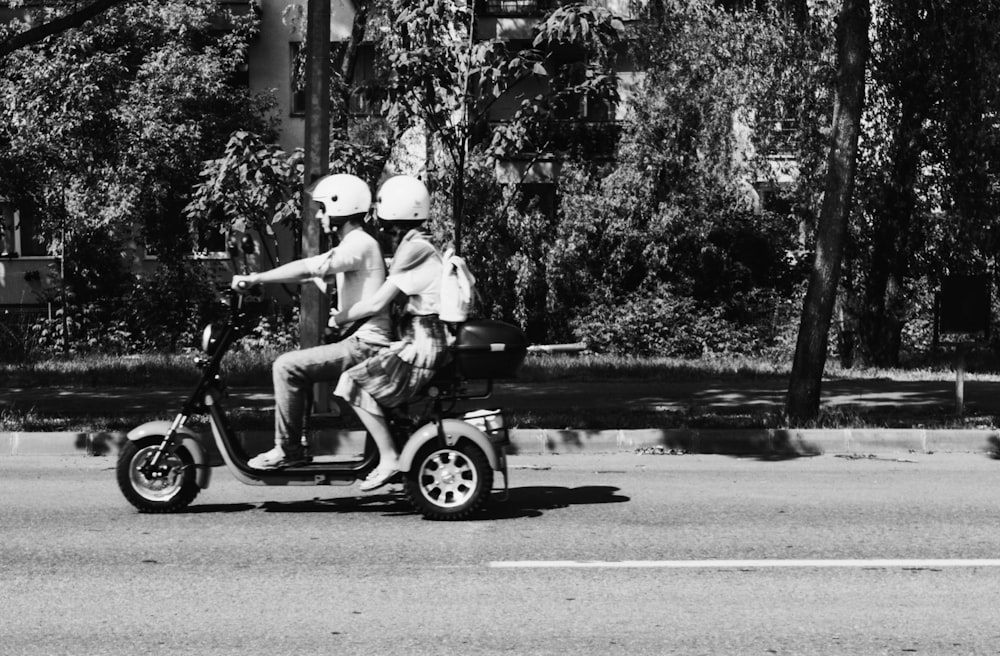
x: 403, y: 198
x: 342, y: 195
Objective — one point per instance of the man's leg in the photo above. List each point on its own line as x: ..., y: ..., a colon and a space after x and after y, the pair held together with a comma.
x: 293, y: 374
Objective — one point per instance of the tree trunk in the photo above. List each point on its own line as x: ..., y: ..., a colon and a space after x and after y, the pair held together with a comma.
x: 347, y: 59
x: 72, y: 19
x: 896, y: 232
x: 885, y: 306
x: 814, y: 328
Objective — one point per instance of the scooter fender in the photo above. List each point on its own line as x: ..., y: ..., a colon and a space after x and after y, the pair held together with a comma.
x: 454, y: 430
x: 190, y: 441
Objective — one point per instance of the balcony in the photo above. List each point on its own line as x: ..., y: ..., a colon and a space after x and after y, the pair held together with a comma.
x: 571, y: 139
x: 536, y: 8
x: 515, y: 8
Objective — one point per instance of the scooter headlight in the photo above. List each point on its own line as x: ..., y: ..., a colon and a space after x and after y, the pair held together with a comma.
x: 210, y: 338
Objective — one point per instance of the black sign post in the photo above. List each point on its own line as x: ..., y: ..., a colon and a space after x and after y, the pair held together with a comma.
x: 962, y: 318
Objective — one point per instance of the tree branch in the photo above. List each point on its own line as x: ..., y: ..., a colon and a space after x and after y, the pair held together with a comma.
x: 56, y: 26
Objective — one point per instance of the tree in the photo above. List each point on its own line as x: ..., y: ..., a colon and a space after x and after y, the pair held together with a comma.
x: 442, y: 80
x: 814, y: 326
x: 68, y: 15
x: 255, y: 185
x: 108, y: 124
x: 102, y: 134
x: 928, y: 191
x: 889, y: 232
x: 667, y: 249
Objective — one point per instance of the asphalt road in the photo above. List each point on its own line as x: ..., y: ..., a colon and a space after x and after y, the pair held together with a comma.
x: 621, y: 554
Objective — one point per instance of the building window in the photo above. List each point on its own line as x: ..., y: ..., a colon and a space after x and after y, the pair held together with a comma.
x: 18, y: 234
x: 211, y: 242
x: 8, y: 236
x: 359, y: 103
x: 241, y: 75
x: 207, y: 239
x: 538, y: 196
x: 580, y: 107
x: 296, y: 75
x: 515, y: 7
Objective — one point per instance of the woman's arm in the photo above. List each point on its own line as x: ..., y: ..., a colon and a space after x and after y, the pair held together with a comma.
x: 366, y: 307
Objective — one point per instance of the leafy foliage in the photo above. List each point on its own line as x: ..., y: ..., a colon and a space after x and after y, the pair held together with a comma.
x: 691, y: 240
x: 108, y: 123
x: 665, y: 249
x: 256, y: 185
x: 252, y: 186
x: 927, y: 200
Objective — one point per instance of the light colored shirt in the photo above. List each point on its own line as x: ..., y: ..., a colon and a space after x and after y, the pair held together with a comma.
x: 356, y: 264
x: 416, y: 270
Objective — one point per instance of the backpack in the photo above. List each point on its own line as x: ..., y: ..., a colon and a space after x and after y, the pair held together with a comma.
x: 458, y: 289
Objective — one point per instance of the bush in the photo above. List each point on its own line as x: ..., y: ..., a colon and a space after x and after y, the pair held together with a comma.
x: 163, y: 313
x: 276, y: 333
x: 168, y: 309
x: 83, y: 328
x: 659, y: 322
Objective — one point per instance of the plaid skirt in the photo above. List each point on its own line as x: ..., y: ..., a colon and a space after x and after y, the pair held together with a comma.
x: 396, y: 374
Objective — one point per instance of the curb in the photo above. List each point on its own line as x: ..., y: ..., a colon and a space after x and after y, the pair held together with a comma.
x: 538, y: 441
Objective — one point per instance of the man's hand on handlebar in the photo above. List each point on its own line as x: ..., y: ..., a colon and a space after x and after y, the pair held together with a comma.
x: 243, y: 284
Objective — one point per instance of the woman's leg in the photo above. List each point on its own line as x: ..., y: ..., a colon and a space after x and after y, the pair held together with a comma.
x: 369, y: 411
x: 378, y: 428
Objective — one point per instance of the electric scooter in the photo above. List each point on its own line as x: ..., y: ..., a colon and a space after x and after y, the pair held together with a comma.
x: 447, y: 458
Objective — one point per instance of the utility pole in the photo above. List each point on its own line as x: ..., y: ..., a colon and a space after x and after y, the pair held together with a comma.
x: 314, y: 303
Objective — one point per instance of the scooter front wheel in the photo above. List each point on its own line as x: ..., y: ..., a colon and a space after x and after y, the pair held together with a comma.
x: 169, y: 487
x: 449, y: 482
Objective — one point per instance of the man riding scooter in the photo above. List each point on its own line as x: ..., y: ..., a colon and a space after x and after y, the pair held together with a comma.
x: 446, y: 456
x: 343, y: 201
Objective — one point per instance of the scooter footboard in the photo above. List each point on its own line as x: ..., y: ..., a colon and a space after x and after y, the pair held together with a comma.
x: 454, y: 430
x: 189, y: 440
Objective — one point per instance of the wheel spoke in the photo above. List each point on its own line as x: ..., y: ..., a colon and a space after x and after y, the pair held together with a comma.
x: 159, y: 484
x: 448, y: 478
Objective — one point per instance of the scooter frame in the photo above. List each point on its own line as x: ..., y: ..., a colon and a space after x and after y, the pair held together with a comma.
x: 209, y: 396
x: 449, y: 430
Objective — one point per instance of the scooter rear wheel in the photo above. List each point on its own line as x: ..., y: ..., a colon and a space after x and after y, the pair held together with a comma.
x: 449, y: 482
x: 169, y: 488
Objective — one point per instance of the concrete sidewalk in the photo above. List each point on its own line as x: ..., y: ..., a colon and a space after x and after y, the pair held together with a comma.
x: 764, y: 443
x: 982, y: 399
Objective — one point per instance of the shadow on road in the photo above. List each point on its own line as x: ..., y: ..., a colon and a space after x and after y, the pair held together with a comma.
x: 520, y: 502
x: 531, y: 501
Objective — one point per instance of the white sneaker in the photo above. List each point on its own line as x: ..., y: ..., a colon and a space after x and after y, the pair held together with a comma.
x: 378, y: 478
x: 277, y: 458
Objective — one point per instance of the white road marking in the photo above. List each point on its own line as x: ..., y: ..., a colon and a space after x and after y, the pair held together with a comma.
x: 903, y: 563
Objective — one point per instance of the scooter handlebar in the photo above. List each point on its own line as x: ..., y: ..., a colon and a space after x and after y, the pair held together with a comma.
x: 244, y: 287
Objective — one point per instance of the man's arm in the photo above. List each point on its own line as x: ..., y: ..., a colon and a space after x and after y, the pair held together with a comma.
x: 320, y: 266
x: 295, y: 271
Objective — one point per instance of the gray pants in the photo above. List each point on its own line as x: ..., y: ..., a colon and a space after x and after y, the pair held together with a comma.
x: 294, y: 374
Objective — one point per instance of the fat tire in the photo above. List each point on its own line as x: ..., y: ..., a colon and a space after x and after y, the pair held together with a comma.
x: 186, y: 492
x: 470, y: 455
